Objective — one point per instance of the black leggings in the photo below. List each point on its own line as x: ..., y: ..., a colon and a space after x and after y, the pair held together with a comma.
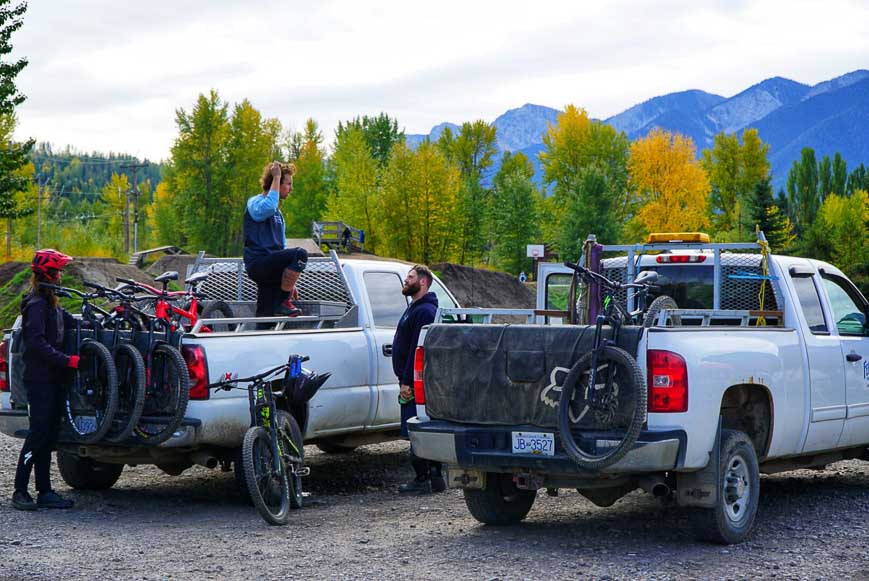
x: 267, y: 271
x: 46, y: 409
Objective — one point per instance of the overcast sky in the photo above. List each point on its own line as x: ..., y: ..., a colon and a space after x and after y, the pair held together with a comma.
x: 108, y: 75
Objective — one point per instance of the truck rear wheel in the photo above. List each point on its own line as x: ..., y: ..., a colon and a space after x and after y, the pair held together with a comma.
x: 732, y: 518
x: 86, y: 473
x: 500, y: 502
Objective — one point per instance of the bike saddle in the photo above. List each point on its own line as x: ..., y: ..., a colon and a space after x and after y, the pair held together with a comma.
x: 170, y: 275
x: 646, y: 277
x: 197, y: 277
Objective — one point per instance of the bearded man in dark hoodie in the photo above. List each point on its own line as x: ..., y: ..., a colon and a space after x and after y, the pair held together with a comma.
x: 420, y: 312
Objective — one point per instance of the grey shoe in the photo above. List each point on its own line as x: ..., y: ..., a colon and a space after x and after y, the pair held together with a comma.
x: 23, y: 501
x: 51, y: 499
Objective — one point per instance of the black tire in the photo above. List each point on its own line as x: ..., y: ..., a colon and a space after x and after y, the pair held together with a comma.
x: 732, y: 519
x: 87, y: 474
x: 269, y: 491
x: 130, y: 367
x: 240, y: 480
x: 166, y: 396
x: 500, y: 502
x: 218, y: 310
x: 661, y: 303
x: 293, y: 449
x: 623, y: 419
x: 332, y: 448
x: 92, y: 396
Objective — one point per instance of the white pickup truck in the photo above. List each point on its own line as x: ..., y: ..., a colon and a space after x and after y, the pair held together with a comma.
x: 350, y: 310
x: 728, y: 400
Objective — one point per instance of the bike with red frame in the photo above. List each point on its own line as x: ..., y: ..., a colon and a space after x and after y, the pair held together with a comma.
x: 181, y: 309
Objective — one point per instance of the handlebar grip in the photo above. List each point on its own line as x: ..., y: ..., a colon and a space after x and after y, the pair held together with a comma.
x: 127, y: 281
x: 305, y: 358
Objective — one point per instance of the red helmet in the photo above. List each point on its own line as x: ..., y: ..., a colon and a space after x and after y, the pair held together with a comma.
x: 47, y: 259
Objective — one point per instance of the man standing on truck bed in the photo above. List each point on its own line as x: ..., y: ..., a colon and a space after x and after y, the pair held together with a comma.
x: 419, y: 313
x: 274, y: 268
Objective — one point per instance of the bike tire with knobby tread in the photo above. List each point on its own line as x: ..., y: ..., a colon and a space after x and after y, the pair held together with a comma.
x: 131, y: 387
x: 86, y: 473
x: 633, y: 377
x: 222, y: 310
x: 661, y: 303
x: 88, y: 351
x: 260, y: 436
x: 287, y: 424
x: 180, y: 397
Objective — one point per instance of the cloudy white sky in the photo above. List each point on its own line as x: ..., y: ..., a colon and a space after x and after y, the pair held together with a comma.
x: 108, y: 75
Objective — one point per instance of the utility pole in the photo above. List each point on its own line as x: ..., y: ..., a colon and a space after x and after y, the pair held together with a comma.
x: 126, y: 220
x: 134, y: 191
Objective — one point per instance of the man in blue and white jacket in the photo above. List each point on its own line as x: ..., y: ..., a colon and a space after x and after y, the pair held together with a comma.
x: 274, y: 268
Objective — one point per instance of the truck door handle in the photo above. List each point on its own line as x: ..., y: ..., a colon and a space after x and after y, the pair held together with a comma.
x: 387, y: 350
x: 853, y: 357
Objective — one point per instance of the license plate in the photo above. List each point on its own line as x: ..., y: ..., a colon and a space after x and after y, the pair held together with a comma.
x: 86, y: 424
x: 537, y: 443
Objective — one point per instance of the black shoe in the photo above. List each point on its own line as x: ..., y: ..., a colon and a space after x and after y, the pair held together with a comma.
x: 438, y: 484
x: 52, y: 499
x: 23, y: 501
x: 416, y: 486
x: 288, y: 309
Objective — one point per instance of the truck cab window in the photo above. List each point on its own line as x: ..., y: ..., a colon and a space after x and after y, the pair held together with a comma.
x: 384, y: 294
x: 848, y: 306
x: 810, y: 303
x: 444, y: 299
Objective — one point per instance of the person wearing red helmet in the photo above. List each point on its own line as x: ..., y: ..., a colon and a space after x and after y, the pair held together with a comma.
x: 43, y: 324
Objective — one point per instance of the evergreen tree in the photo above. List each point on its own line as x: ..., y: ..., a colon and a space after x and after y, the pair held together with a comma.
x: 840, y: 175
x: 13, y: 156
x: 770, y: 218
x: 858, y: 180
x: 825, y: 178
x: 381, y: 133
x: 808, y: 200
x: 514, y: 213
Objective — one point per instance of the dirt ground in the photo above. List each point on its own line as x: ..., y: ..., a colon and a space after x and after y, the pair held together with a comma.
x: 811, y: 525
x: 475, y: 287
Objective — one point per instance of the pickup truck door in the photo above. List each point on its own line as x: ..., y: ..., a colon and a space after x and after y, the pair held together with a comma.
x: 823, y: 358
x: 386, y: 305
x: 848, y: 308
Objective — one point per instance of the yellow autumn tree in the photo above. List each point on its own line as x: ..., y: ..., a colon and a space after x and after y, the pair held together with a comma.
x: 670, y: 187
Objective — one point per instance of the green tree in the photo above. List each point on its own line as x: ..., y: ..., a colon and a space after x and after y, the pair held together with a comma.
x: 13, y: 156
x: 307, y: 203
x: 381, y: 133
x: 198, y: 179
x: 808, y: 200
x: 587, y: 200
x: 840, y: 175
x: 770, y: 219
x: 355, y: 197
x: 734, y: 170
x: 825, y: 177
x: 515, y: 201
x: 858, y: 180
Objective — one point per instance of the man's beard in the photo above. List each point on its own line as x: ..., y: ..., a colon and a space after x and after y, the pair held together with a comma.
x: 410, y: 290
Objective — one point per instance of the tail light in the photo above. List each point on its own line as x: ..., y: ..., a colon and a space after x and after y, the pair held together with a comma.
x: 679, y: 258
x: 197, y: 370
x: 668, y: 382
x: 4, y: 366
x: 418, y: 385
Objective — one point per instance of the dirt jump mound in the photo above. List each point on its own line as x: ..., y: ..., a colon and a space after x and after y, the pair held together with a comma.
x: 475, y: 287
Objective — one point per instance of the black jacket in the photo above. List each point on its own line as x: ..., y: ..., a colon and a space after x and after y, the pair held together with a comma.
x: 419, y: 314
x: 42, y: 335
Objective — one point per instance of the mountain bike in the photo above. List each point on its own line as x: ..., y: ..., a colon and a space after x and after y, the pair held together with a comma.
x: 604, y: 394
x: 188, y: 309
x: 273, y: 452
x: 91, y: 398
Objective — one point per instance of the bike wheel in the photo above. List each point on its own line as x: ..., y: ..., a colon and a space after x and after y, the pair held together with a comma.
x: 650, y: 319
x: 218, y: 310
x: 167, y: 392
x: 293, y: 453
x: 131, y: 392
x: 617, y: 415
x: 92, y: 396
x: 269, y: 488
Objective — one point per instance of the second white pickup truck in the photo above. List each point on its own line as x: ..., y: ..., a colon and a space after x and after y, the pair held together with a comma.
x: 350, y: 310
x: 728, y: 400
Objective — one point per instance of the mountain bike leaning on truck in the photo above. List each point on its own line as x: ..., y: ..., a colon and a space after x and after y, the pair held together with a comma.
x: 604, y: 394
x: 273, y: 451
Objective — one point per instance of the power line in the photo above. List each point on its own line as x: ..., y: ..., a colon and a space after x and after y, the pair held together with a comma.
x: 38, y: 157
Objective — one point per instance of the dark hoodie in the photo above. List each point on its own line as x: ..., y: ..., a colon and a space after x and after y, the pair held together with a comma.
x: 42, y: 335
x: 419, y: 314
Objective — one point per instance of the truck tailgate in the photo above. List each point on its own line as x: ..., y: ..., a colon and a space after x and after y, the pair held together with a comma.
x: 504, y: 374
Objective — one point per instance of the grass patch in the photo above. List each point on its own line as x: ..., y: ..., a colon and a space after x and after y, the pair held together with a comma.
x: 13, y: 291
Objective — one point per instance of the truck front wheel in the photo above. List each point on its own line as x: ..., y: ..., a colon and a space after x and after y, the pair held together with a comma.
x: 86, y: 473
x: 731, y: 520
x: 500, y: 502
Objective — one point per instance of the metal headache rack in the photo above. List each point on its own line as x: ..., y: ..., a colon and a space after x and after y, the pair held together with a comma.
x: 324, y: 295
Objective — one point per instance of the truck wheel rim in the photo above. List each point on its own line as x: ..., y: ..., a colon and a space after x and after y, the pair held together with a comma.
x: 737, y: 489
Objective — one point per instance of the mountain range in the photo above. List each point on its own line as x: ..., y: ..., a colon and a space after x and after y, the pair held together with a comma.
x: 831, y: 116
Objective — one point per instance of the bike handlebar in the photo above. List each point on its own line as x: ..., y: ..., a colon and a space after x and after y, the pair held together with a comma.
x: 226, y: 384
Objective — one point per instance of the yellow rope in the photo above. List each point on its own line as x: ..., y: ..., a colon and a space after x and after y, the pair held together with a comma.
x: 764, y: 270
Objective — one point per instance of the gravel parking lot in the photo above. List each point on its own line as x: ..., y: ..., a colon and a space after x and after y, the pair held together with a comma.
x: 811, y: 525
